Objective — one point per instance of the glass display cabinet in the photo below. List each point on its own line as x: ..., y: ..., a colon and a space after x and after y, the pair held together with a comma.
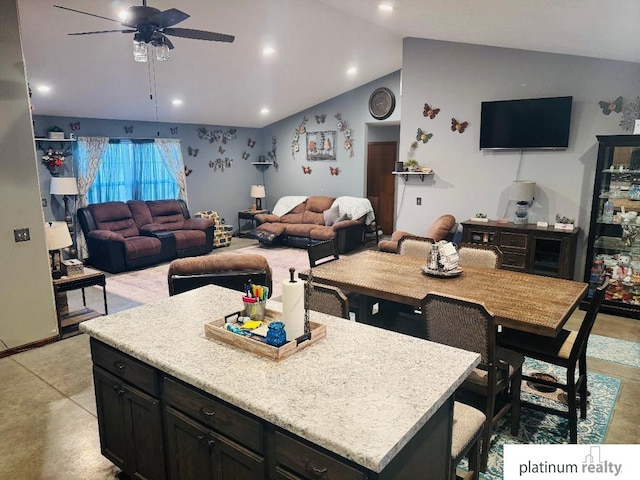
x: 614, y: 234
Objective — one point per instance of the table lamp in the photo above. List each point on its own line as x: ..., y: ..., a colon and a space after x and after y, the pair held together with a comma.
x: 257, y: 192
x: 66, y: 186
x: 57, y: 236
x: 523, y: 193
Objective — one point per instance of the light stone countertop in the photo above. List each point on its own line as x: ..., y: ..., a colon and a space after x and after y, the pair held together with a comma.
x: 361, y: 392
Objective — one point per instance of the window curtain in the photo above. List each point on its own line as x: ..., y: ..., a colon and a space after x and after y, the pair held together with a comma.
x: 87, y: 155
x: 171, y: 155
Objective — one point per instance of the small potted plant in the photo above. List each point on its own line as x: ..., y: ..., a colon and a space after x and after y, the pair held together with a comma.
x: 411, y: 165
x: 55, y: 133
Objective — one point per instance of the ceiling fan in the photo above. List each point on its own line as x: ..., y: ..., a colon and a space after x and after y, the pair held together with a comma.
x: 150, y: 25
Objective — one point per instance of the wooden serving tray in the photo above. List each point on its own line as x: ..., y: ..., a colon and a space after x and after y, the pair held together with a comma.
x: 215, y: 330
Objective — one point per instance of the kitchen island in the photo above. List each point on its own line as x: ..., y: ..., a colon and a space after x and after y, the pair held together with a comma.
x: 361, y: 403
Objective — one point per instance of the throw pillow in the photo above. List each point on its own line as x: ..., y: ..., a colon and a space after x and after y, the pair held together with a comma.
x: 331, y: 215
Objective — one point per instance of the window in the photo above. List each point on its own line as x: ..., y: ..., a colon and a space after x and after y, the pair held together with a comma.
x: 132, y: 170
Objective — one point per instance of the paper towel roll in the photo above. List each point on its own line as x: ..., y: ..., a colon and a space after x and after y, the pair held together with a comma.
x: 293, y: 308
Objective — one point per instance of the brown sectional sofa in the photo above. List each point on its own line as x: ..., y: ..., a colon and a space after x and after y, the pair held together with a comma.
x: 122, y: 236
x: 310, y: 222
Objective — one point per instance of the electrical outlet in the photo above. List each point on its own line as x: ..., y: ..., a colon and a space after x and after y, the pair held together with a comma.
x: 44, y: 202
x: 21, y: 235
x: 418, y: 200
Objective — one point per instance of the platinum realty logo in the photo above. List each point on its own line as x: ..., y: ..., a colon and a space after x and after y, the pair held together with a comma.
x: 570, y: 461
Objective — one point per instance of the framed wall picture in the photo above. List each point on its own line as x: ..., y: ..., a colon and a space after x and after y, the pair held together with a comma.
x: 321, y: 145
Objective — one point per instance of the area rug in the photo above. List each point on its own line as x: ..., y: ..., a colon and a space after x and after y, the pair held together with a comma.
x: 538, y: 427
x: 614, y: 350
x: 150, y: 284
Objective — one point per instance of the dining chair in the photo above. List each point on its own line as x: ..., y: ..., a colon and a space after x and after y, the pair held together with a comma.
x: 468, y: 325
x: 414, y: 246
x: 326, y: 299
x: 468, y: 425
x: 327, y: 251
x: 322, y: 252
x: 567, y: 350
x: 487, y: 256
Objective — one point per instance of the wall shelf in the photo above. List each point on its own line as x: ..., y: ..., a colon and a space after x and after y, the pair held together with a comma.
x: 40, y: 140
x: 262, y: 164
x: 406, y: 175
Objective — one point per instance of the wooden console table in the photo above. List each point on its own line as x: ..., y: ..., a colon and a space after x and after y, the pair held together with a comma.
x: 527, y: 248
x: 68, y: 321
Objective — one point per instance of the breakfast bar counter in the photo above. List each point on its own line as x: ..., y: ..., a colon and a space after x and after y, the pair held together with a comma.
x: 374, y: 403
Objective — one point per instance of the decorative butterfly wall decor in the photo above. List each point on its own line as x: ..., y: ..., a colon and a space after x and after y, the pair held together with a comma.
x: 306, y: 170
x: 423, y: 137
x: 193, y: 152
x: 245, y: 155
x: 187, y: 171
x: 218, y: 163
x: 174, y: 130
x: 221, y: 150
x: 251, y: 143
x: 128, y: 129
x: 608, y: 107
x: 321, y: 118
x: 75, y: 126
x: 334, y: 171
x: 430, y: 112
x: 457, y: 126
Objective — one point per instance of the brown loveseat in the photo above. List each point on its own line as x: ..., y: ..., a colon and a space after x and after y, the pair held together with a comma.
x: 123, y: 236
x: 316, y: 219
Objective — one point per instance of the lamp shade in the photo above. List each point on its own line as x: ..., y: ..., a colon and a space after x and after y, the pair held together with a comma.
x: 257, y: 191
x: 63, y: 186
x: 522, y: 191
x: 57, y: 235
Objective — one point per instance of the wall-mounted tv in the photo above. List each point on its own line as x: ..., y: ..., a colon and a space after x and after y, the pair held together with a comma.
x: 533, y: 123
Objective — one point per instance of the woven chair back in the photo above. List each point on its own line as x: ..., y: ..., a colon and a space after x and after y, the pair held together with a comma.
x: 326, y: 299
x: 487, y: 256
x: 414, y: 246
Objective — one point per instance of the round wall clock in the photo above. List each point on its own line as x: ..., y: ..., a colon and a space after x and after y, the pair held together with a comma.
x: 382, y: 103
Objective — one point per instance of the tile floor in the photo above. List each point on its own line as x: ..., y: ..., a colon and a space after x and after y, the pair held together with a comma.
x: 48, y: 427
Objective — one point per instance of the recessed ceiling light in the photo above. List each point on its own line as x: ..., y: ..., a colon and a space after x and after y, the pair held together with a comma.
x: 385, y: 7
x: 43, y: 88
x: 352, y: 71
x: 268, y: 51
x: 177, y: 101
x: 264, y: 111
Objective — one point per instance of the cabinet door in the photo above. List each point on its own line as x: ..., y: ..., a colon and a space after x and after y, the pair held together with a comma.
x: 189, y: 452
x: 130, y: 424
x: 234, y: 462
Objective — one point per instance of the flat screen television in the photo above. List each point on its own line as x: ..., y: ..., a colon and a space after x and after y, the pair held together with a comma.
x: 533, y: 123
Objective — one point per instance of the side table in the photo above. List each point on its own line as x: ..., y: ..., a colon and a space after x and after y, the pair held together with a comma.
x: 68, y: 321
x: 250, y: 215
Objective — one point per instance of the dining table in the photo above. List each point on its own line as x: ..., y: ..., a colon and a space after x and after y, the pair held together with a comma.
x: 522, y: 301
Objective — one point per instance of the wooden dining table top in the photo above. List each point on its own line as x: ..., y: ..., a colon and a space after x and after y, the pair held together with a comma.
x: 530, y: 303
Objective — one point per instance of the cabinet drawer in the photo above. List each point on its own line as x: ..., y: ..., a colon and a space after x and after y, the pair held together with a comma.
x: 311, y: 463
x: 125, y: 367
x: 514, y: 240
x: 514, y: 260
x: 213, y: 413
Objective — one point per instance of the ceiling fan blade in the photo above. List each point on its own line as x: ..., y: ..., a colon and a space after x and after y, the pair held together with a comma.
x: 87, y: 13
x: 199, y: 34
x: 102, y: 31
x: 168, y: 18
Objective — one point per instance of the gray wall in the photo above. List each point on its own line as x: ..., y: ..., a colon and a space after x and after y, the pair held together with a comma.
x: 223, y: 191
x: 27, y: 309
x: 457, y: 78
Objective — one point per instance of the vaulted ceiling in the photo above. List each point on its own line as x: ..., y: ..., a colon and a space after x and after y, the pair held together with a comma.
x: 315, y: 42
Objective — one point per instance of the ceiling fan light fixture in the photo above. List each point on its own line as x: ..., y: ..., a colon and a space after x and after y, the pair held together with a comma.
x: 162, y: 53
x: 140, y: 53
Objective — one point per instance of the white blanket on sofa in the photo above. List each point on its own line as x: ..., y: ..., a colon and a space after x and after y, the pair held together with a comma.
x: 286, y: 204
x: 355, y: 207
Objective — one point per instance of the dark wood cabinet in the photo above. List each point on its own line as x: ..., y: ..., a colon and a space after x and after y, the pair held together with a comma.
x: 195, y: 451
x: 130, y: 426
x: 527, y: 248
